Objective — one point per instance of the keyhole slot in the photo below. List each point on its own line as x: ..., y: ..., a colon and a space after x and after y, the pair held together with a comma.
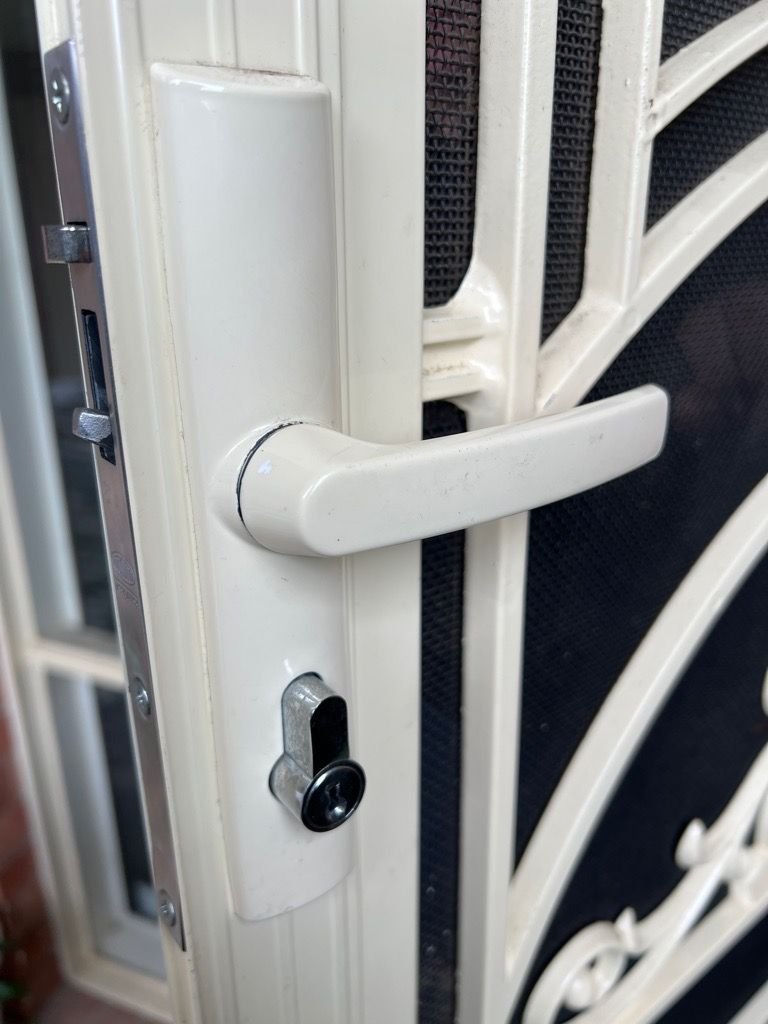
x: 328, y: 727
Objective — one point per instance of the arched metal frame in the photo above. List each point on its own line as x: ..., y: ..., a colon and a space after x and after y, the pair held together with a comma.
x: 482, y: 351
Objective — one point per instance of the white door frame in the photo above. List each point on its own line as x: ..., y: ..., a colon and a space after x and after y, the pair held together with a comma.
x: 332, y: 960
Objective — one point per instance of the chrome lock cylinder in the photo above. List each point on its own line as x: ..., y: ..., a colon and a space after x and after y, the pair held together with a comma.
x: 315, y: 779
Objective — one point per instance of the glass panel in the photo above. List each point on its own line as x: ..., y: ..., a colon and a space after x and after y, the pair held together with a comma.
x: 53, y: 475
x: 101, y: 780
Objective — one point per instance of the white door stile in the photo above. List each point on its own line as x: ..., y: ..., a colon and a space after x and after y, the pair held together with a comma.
x: 277, y: 970
x: 517, y: 61
x: 382, y: 73
x: 629, y: 63
x: 116, y: 112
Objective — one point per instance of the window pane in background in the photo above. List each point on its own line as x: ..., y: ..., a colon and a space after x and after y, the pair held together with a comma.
x: 126, y: 799
x: 101, y: 781
x: 40, y: 381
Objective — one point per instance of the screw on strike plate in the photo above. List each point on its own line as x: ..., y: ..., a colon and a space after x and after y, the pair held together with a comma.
x: 140, y: 696
x: 166, y: 908
x: 60, y: 95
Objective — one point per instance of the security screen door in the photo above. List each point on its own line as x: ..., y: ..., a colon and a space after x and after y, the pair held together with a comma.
x: 293, y: 228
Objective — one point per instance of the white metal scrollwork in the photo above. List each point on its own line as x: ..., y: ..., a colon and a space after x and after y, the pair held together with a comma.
x: 607, y: 964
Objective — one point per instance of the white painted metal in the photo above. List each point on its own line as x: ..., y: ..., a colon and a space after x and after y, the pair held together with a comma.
x: 623, y: 720
x: 458, y: 338
x: 517, y: 60
x: 629, y: 61
x: 312, y: 491
x: 330, y: 961
x: 628, y: 273
x: 697, y: 67
x: 464, y: 359
x: 593, y: 335
x: 247, y: 198
x: 592, y: 974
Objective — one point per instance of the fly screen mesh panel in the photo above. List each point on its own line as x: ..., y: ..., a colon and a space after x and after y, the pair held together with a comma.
x: 452, y: 89
x: 686, y: 20
x: 690, y: 765
x: 577, y: 57
x: 442, y: 570
x: 706, y: 135
x: 603, y: 564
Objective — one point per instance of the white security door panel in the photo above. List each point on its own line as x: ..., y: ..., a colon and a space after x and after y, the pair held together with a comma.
x: 426, y: 381
x: 612, y: 856
x: 257, y: 235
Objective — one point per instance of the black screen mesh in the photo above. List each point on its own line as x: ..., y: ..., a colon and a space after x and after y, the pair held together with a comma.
x: 442, y: 575
x: 690, y: 766
x: 573, y: 121
x: 452, y: 89
x: 686, y: 20
x: 604, y: 563
x: 711, y: 131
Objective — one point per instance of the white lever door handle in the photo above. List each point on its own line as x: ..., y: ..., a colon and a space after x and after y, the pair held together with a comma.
x: 307, y: 490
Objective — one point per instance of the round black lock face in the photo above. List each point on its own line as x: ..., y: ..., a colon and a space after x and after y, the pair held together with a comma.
x: 333, y: 796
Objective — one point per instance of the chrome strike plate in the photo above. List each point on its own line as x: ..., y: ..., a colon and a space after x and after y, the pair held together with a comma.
x: 75, y: 243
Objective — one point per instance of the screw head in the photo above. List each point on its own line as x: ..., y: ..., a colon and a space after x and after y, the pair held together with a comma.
x: 166, y: 908
x: 138, y: 692
x: 60, y: 95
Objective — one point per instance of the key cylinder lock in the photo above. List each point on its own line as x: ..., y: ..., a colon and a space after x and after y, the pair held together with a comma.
x: 315, y: 778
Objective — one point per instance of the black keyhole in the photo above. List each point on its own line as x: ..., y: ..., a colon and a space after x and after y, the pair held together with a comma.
x: 333, y: 796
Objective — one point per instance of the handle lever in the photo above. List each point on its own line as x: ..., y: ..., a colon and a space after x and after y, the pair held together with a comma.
x: 307, y: 490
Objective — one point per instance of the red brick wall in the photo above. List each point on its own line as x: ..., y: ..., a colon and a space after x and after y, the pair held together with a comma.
x: 29, y: 958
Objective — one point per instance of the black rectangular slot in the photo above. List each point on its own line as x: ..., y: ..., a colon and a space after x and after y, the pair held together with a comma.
x: 96, y: 374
